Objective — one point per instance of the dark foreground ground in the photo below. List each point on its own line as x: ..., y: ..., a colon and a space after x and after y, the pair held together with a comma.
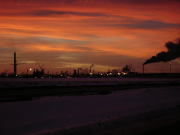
x: 162, y: 121
x: 156, y: 122
x: 13, y: 93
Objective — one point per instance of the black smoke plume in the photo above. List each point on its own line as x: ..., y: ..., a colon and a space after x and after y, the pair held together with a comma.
x: 172, y: 53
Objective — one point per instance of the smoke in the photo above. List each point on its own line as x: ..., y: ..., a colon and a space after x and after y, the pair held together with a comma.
x: 172, y: 53
x: 92, y: 66
x: 80, y: 69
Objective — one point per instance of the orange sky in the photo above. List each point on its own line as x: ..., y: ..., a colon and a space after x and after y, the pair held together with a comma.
x: 108, y: 33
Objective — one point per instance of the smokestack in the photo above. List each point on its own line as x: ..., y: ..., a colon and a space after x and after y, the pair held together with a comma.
x: 91, y: 67
x: 14, y: 63
x: 170, y: 67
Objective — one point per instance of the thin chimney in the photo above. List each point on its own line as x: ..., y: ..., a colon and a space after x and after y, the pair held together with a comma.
x: 15, y: 63
x: 170, y: 67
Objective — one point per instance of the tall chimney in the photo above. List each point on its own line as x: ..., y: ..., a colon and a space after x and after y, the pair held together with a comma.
x: 15, y: 64
x: 170, y: 67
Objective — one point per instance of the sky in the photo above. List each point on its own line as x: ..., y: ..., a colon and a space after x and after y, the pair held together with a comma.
x: 71, y: 34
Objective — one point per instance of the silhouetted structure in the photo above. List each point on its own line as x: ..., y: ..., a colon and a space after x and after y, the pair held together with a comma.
x: 15, y: 64
x: 78, y: 71
x: 126, y: 71
x: 38, y: 73
x: 91, y: 67
x: 170, y: 67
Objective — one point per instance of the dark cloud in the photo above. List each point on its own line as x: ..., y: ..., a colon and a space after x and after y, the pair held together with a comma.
x: 126, y: 22
x: 141, y: 1
x: 43, y: 13
x: 55, y: 2
x: 144, y: 25
x: 172, y: 53
x: 57, y: 13
x: 153, y: 25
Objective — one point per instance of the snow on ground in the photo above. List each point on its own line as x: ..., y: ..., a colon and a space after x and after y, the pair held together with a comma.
x: 84, y: 79
x: 26, y: 82
x: 7, y: 80
x: 50, y: 113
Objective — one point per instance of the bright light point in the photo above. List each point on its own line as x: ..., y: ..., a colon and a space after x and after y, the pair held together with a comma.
x: 30, y: 69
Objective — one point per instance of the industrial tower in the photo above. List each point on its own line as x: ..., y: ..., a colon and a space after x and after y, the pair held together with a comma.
x: 15, y: 64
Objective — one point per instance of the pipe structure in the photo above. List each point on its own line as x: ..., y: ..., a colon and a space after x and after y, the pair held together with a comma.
x: 170, y: 67
x: 15, y: 63
x: 91, y: 67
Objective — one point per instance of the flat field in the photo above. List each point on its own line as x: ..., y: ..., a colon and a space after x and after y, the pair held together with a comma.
x: 105, y: 106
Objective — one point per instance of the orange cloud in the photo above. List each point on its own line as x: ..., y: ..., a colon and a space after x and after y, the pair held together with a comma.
x: 130, y: 28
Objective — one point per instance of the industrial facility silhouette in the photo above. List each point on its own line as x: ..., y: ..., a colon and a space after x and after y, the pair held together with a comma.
x: 127, y: 71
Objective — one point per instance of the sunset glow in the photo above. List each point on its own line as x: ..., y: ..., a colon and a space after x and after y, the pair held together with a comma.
x: 108, y: 33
